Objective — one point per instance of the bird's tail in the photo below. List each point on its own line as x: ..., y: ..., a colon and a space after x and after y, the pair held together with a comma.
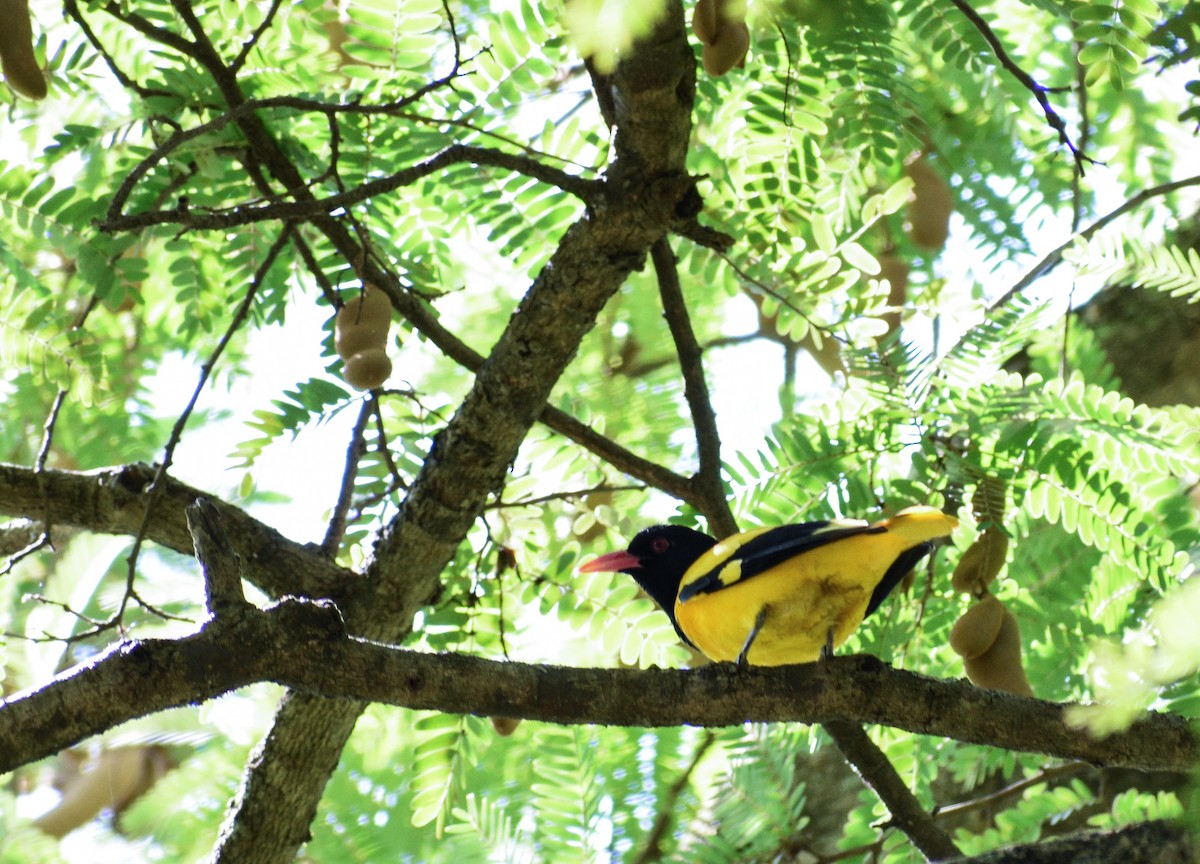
x: 919, y: 524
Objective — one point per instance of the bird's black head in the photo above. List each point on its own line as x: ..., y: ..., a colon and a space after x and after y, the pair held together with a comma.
x: 657, y: 558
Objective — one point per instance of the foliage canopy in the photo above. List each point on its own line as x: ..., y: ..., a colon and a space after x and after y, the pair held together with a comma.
x: 203, y: 175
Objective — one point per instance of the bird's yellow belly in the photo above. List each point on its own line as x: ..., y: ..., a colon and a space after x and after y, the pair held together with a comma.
x: 799, y: 615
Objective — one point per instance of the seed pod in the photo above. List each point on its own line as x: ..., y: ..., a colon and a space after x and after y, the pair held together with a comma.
x: 362, y: 323
x: 976, y: 630
x: 894, y: 269
x: 981, y: 563
x: 930, y: 207
x: 368, y: 369
x: 112, y: 779
x: 17, y: 59
x: 728, y: 50
x: 505, y: 726
x: 704, y: 21
x: 999, y: 668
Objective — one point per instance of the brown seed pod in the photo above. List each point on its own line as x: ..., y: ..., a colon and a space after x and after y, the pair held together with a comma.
x: 704, y: 21
x: 728, y: 49
x: 894, y: 270
x: 981, y: 563
x: 362, y: 323
x: 112, y: 779
x: 368, y: 369
x: 999, y: 668
x: 505, y: 726
x: 930, y: 207
x: 976, y: 630
x: 17, y: 59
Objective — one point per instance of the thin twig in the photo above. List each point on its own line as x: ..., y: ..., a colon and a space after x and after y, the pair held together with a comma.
x: 152, y: 31
x: 644, y: 367
x: 245, y: 214
x: 708, y: 440
x: 354, y: 454
x: 39, y: 466
x: 156, y: 486
x: 1047, y: 775
x: 71, y: 8
x: 652, y: 846
x: 48, y: 431
x: 1054, y: 257
x: 569, y: 495
x: 249, y: 44
x: 1039, y: 92
x: 97, y: 626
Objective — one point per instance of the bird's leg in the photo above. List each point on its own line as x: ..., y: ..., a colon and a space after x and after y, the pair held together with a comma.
x: 758, y: 623
x: 827, y: 648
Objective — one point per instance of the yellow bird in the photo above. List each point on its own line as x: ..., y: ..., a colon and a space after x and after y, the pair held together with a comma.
x: 775, y: 596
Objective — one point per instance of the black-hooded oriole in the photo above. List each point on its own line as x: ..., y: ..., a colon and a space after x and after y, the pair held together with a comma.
x: 774, y: 596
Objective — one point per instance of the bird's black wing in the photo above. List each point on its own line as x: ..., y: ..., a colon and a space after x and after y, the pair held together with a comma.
x: 908, y: 560
x: 772, y: 548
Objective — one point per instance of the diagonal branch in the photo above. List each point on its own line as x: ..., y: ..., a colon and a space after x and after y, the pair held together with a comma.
x: 877, y: 772
x: 239, y: 318
x: 695, y: 390
x: 1039, y: 92
x: 1053, y: 258
x: 470, y: 457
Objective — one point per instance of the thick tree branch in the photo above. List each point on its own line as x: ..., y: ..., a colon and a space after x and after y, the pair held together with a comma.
x: 877, y: 772
x: 304, y: 645
x: 1144, y: 843
x: 114, y: 501
x: 222, y: 565
x: 638, y: 204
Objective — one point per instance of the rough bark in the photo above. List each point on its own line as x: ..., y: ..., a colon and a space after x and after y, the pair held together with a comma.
x: 304, y: 645
x: 1144, y: 843
x: 470, y: 456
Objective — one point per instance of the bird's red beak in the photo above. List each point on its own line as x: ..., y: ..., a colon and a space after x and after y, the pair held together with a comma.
x: 613, y: 562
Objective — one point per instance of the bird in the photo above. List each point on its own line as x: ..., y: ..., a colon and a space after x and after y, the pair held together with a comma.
x: 778, y: 595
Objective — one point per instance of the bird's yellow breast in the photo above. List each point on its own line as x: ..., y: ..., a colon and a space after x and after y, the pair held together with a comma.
x: 821, y: 590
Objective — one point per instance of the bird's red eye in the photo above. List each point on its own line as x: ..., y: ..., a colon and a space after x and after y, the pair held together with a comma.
x: 660, y: 545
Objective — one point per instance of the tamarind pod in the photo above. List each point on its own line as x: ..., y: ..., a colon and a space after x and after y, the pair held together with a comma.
x: 17, y: 59
x: 981, y: 562
x: 1000, y: 668
x: 704, y: 21
x: 505, y: 726
x: 368, y: 369
x: 362, y: 323
x: 974, y: 633
x: 112, y: 779
x: 894, y: 269
x: 728, y: 50
x: 930, y: 206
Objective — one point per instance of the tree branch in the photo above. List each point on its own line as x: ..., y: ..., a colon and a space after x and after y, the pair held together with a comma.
x: 114, y: 501
x: 1053, y: 258
x: 695, y: 390
x: 1144, y: 843
x: 877, y: 772
x: 308, y: 206
x: 222, y: 565
x: 303, y: 645
x: 1039, y: 92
